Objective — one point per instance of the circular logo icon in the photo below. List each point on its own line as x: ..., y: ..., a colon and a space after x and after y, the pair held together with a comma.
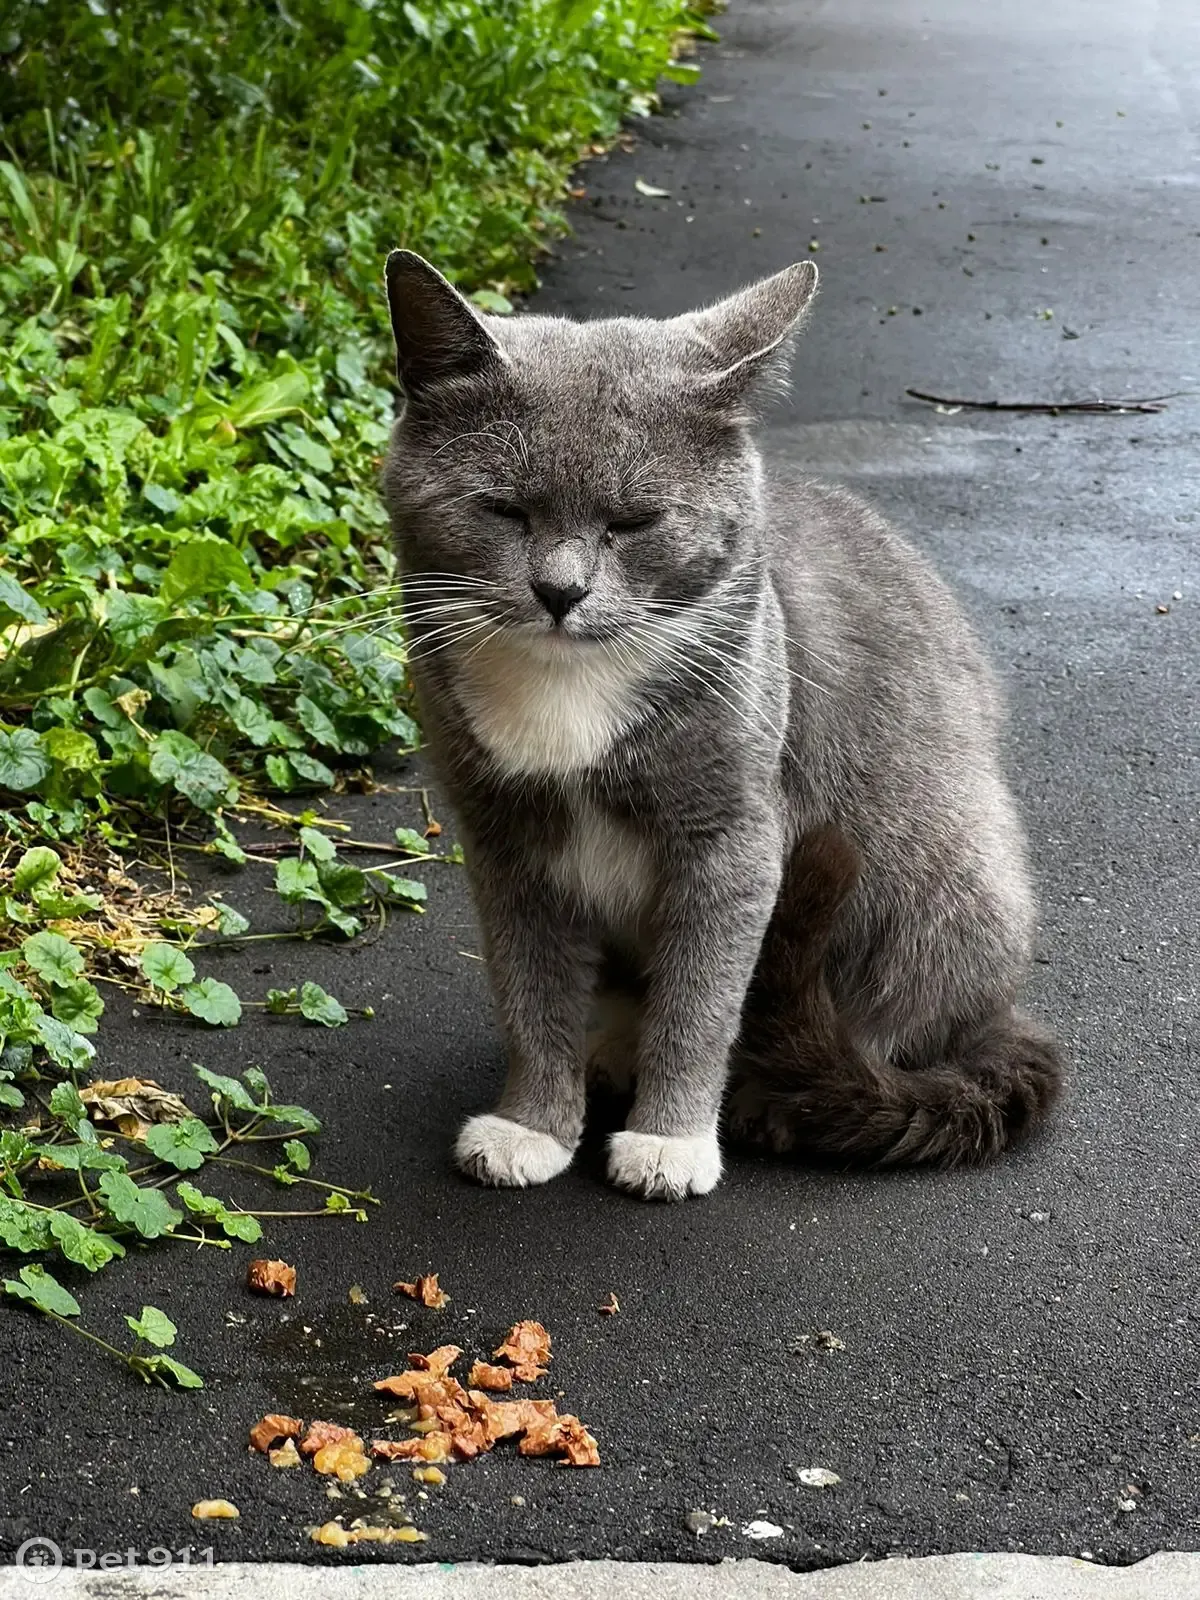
x: 40, y: 1560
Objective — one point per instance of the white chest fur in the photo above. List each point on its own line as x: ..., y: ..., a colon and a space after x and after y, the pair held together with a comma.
x: 547, y: 710
x: 606, y: 867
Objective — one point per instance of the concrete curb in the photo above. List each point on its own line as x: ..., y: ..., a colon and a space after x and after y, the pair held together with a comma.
x: 1166, y: 1576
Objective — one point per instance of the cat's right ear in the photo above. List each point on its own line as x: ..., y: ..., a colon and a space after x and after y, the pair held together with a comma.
x: 438, y: 335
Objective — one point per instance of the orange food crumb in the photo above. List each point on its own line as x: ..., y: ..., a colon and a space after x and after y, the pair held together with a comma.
x: 322, y: 1433
x: 426, y: 1290
x: 272, y: 1428
x: 498, y: 1379
x: 271, y: 1277
x: 527, y: 1349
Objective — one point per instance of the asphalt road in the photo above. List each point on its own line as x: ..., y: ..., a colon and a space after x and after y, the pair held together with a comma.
x: 1005, y: 204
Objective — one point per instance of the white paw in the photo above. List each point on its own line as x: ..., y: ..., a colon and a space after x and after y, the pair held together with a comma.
x: 507, y: 1154
x: 664, y: 1168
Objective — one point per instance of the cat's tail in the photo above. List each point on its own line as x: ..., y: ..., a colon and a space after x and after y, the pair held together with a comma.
x: 805, y: 1084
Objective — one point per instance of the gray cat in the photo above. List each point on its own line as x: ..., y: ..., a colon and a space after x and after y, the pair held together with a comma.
x: 722, y: 747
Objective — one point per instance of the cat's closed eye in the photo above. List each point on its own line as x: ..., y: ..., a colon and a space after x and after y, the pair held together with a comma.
x: 621, y: 525
x: 509, y: 510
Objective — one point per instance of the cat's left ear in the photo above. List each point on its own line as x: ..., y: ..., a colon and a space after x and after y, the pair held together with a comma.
x: 748, y: 336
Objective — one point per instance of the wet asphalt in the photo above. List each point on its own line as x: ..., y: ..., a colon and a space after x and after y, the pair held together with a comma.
x: 1003, y: 203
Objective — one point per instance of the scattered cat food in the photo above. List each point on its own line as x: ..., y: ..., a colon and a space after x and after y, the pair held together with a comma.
x: 527, y: 1349
x: 343, y: 1459
x: 272, y: 1428
x: 322, y: 1433
x: 425, y: 1290
x: 271, y: 1277
x: 431, y: 1448
x: 762, y: 1530
x: 818, y: 1477
x: 483, y: 1376
x: 456, y: 1423
x: 650, y: 190
x: 610, y: 1307
x: 333, y: 1534
x: 699, y: 1522
x: 356, y: 1295
x: 286, y: 1456
x: 214, y: 1510
x: 429, y: 1475
x: 561, y: 1436
x: 438, y: 1361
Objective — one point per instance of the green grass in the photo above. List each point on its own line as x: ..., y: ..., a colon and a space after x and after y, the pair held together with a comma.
x: 195, y: 388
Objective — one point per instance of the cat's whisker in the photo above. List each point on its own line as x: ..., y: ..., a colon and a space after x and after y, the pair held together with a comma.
x: 418, y: 652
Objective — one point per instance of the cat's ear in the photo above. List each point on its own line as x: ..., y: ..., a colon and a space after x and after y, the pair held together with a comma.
x: 747, y: 336
x: 437, y: 333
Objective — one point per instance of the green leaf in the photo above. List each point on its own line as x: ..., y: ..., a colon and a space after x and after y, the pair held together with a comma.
x: 297, y: 880
x: 409, y: 839
x: 10, y: 1095
x: 71, y: 750
x: 297, y: 1155
x: 35, y: 1284
x: 166, y: 966
x: 317, y: 1006
x: 78, y: 1004
x: 66, y: 1105
x: 256, y: 1082
x: 15, y: 599
x: 163, y: 1368
x: 310, y: 769
x: 204, y: 566
x: 236, y: 1224
x: 183, y: 1145
x: 317, y: 845
x: 22, y: 1228
x: 239, y: 1226
x: 270, y: 400
x: 66, y: 1048
x: 37, y: 869
x: 409, y: 890
x: 227, y: 845
x: 197, y: 776
x: 228, y: 1089
x: 298, y: 1117
x: 230, y: 922
x: 23, y: 761
x: 488, y: 300
x: 82, y: 1157
x: 213, y: 1002
x: 87, y: 1247
x: 316, y: 723
x: 154, y: 1326
x: 144, y: 1210
x: 342, y: 883
x: 52, y: 957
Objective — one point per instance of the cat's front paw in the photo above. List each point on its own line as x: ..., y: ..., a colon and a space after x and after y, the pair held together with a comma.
x: 507, y: 1155
x: 661, y: 1167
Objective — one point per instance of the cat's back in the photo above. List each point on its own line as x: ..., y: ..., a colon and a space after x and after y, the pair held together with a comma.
x: 862, y: 598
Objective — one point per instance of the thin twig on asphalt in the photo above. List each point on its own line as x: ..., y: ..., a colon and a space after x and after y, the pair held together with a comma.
x: 1151, y: 403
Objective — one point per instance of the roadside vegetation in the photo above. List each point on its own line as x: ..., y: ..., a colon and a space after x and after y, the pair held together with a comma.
x: 197, y: 599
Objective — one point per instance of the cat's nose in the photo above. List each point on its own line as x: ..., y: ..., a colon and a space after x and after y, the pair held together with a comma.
x: 558, y: 599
